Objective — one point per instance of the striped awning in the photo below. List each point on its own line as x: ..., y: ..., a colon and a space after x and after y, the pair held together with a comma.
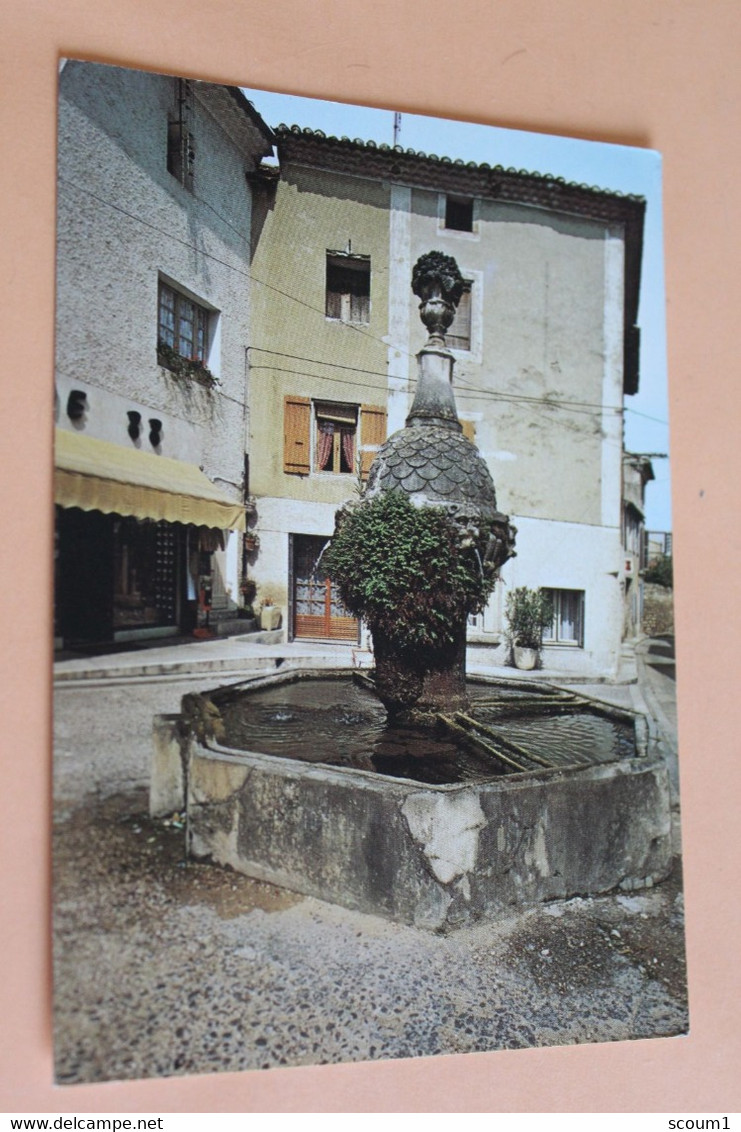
x: 96, y: 475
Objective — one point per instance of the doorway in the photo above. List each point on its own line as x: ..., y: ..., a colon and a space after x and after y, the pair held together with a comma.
x: 316, y: 610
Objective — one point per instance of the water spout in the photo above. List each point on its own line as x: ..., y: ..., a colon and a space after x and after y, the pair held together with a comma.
x: 315, y: 567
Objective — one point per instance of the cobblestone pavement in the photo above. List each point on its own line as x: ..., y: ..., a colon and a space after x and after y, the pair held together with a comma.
x: 164, y: 966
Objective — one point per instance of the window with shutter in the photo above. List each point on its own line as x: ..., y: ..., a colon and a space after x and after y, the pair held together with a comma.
x: 469, y: 430
x: 348, y: 288
x: 296, y: 435
x: 328, y: 436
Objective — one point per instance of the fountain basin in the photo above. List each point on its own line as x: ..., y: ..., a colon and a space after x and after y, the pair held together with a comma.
x: 435, y: 855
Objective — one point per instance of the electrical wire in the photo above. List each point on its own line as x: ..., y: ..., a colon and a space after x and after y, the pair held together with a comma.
x: 463, y: 395
x: 477, y: 391
x: 569, y: 406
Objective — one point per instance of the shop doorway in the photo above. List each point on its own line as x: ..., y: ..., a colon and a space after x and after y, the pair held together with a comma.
x: 316, y: 611
x: 147, y: 579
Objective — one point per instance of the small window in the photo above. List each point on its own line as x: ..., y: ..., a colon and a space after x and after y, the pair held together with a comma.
x: 567, y: 626
x: 182, y: 326
x: 459, y: 213
x: 180, y: 147
x: 335, y: 437
x: 458, y: 336
x: 348, y: 288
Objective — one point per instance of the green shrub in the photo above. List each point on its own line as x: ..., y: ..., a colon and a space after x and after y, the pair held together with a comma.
x: 408, y: 571
x: 661, y: 572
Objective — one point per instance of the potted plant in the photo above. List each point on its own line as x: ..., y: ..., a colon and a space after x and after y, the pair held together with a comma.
x: 248, y: 590
x: 528, y: 613
x: 182, y: 367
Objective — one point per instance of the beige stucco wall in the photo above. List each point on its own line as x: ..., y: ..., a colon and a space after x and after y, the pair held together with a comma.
x: 295, y: 348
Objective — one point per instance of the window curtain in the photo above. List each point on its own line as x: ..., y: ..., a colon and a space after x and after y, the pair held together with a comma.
x: 348, y: 447
x: 325, y: 438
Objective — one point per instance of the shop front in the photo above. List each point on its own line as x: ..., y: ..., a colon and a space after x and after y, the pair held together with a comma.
x: 136, y: 536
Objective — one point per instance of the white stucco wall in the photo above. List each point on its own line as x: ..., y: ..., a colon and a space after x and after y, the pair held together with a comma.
x: 574, y: 556
x: 123, y: 223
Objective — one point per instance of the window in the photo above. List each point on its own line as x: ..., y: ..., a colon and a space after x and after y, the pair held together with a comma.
x: 348, y: 287
x: 459, y: 213
x: 180, y: 148
x: 330, y: 437
x: 182, y: 327
x: 458, y: 336
x: 335, y: 434
x: 567, y: 626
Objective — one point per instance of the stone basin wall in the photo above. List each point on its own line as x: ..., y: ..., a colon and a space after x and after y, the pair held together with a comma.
x: 435, y: 857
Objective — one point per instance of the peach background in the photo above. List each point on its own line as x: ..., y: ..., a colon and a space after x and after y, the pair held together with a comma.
x: 640, y: 72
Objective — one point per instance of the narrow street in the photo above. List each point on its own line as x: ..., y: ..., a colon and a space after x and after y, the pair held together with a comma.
x: 165, y: 966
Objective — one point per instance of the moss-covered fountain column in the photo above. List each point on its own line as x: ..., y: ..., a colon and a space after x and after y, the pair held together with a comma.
x: 422, y: 548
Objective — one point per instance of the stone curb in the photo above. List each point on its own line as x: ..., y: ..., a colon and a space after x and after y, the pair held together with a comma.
x: 268, y: 652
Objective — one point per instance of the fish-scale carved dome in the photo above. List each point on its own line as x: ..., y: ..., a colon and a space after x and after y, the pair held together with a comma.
x: 438, y: 463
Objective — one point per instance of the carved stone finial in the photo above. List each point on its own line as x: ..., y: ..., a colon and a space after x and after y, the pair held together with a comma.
x: 437, y: 281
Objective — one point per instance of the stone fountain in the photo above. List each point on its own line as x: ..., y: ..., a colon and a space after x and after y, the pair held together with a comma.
x: 417, y: 794
x: 432, y: 464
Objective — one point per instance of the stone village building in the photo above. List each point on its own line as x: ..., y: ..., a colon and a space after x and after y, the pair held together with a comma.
x: 154, y: 219
x: 546, y: 348
x: 184, y: 257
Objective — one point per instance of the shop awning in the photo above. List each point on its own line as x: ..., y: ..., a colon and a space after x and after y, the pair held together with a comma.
x: 96, y: 475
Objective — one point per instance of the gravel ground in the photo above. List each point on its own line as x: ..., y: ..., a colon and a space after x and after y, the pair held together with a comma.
x: 164, y: 966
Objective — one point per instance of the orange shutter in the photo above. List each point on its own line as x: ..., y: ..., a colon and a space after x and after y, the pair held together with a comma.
x: 296, y: 435
x: 372, y: 435
x: 469, y: 430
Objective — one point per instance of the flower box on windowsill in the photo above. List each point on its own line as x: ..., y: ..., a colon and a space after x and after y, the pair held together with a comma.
x: 190, y: 368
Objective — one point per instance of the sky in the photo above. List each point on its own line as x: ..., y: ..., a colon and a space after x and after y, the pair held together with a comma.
x: 611, y: 167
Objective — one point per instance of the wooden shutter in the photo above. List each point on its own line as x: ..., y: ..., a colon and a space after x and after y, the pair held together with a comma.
x: 334, y: 304
x: 296, y: 435
x: 359, y: 308
x: 458, y: 336
x: 372, y: 435
x: 469, y: 430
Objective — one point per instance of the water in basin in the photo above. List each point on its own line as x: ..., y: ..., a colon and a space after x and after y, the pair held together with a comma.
x: 338, y: 723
